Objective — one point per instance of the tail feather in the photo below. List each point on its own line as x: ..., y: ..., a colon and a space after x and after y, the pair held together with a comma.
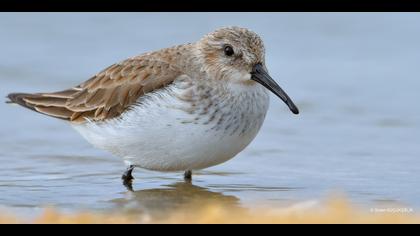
x: 18, y: 98
x: 42, y: 103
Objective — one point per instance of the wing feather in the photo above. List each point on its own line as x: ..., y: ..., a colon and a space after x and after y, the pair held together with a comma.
x: 107, y: 94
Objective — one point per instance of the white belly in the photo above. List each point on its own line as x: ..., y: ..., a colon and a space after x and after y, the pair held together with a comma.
x: 157, y: 135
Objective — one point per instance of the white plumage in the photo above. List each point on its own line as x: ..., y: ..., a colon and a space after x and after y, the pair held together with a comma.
x: 158, y: 133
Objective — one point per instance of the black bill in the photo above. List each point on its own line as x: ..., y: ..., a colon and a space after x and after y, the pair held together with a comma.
x: 260, y: 76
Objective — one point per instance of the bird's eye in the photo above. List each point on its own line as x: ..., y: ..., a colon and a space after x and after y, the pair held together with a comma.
x: 228, y: 50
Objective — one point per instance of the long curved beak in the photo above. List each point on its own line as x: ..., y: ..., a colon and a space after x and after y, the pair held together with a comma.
x: 261, y: 76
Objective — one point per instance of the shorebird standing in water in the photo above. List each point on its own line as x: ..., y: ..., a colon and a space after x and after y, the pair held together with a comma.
x: 182, y: 108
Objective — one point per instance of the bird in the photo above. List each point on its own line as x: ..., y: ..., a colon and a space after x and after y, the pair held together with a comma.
x: 178, y: 109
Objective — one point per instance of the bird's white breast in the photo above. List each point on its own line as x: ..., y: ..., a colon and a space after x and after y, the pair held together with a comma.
x: 183, y: 127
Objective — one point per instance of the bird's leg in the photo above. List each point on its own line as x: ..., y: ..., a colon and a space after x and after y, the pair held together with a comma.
x: 188, y: 175
x: 127, y: 177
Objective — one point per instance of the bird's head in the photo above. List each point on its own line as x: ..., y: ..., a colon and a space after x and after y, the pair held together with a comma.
x: 237, y: 55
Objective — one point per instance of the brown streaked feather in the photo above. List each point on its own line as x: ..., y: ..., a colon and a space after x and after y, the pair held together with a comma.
x: 62, y: 94
x: 107, y: 94
x: 45, y: 101
x: 59, y: 112
x: 18, y: 99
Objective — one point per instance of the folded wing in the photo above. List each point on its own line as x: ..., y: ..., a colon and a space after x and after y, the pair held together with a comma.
x: 106, y: 95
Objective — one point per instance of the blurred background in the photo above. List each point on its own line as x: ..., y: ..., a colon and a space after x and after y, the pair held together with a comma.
x: 354, y: 76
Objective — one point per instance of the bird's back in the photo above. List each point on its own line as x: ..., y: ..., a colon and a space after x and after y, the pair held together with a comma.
x: 110, y: 92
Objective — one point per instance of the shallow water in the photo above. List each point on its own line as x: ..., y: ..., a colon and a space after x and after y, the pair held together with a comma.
x: 355, y: 78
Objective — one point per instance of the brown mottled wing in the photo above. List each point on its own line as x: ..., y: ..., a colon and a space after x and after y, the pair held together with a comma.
x: 104, y: 96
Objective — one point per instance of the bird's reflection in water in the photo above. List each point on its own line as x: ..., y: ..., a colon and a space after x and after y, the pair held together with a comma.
x: 181, y: 195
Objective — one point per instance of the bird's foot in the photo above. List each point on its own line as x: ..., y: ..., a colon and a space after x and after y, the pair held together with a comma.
x: 188, y: 176
x: 127, y: 178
